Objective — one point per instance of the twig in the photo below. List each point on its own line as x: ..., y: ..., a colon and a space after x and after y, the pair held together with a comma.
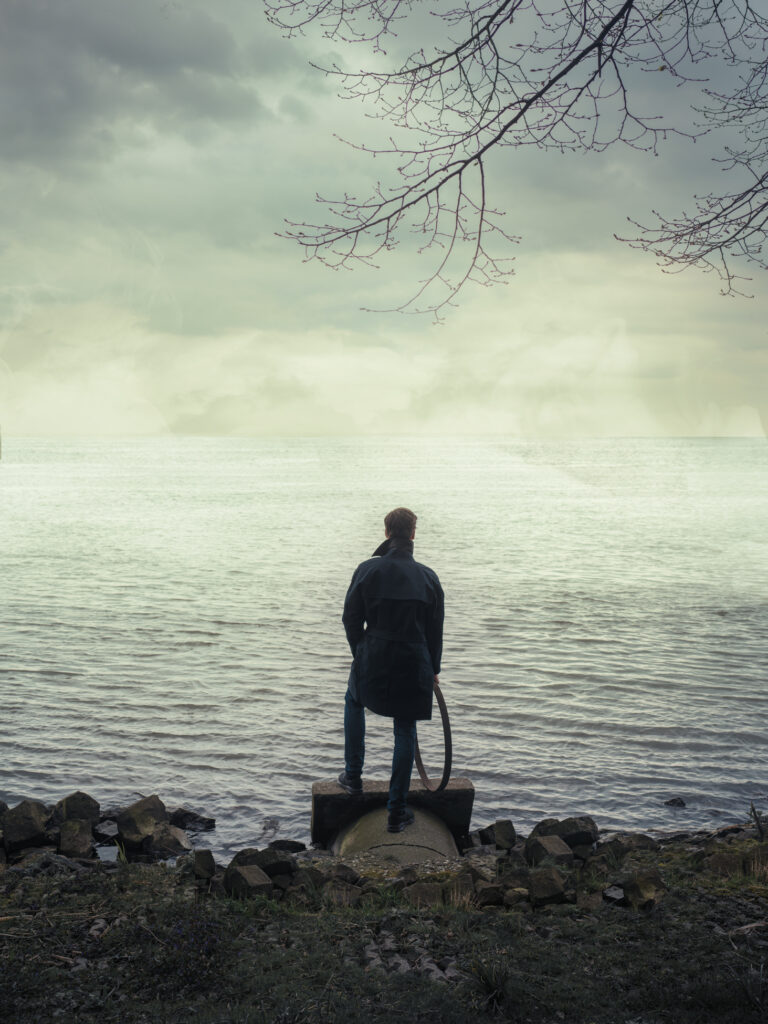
x: 155, y: 937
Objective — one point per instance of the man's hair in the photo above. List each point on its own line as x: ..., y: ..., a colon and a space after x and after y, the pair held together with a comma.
x: 400, y: 522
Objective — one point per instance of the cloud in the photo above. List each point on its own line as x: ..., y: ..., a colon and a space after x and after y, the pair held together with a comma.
x: 80, y: 79
x: 150, y: 152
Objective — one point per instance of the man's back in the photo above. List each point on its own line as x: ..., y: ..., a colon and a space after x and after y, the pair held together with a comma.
x: 398, y: 655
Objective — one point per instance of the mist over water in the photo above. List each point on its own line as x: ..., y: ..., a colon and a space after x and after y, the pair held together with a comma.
x: 172, y: 622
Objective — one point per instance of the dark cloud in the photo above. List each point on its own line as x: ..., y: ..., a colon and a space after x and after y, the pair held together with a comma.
x: 75, y: 75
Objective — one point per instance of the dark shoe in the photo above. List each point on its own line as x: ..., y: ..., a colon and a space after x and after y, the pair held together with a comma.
x: 400, y: 822
x: 353, y: 786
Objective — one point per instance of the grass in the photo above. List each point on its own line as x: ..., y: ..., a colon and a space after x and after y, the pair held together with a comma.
x: 139, y: 946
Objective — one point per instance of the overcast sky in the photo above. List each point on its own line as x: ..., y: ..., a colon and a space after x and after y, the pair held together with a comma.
x: 149, y: 152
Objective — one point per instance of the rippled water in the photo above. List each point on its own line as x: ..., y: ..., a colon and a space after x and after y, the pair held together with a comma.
x: 171, y: 621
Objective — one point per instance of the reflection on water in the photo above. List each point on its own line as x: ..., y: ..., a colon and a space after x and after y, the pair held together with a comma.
x: 172, y: 621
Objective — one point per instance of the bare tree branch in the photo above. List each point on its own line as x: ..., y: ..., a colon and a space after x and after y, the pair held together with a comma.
x: 561, y: 74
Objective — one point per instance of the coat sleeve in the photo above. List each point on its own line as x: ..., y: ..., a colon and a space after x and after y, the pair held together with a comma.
x: 435, y: 626
x: 354, y: 613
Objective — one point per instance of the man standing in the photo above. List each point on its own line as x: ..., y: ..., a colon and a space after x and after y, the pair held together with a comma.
x: 393, y: 617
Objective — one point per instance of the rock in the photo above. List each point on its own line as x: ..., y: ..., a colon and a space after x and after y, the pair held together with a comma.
x: 552, y: 847
x: 184, y: 817
x: 287, y: 845
x: 622, y: 843
x: 613, y: 894
x: 643, y: 889
x: 545, y: 886
x: 244, y: 880
x: 583, y: 853
x: 460, y: 890
x: 203, y: 864
x: 589, y: 900
x: 168, y: 841
x: 271, y: 862
x: 580, y: 831
x: 504, y: 834
x: 75, y: 838
x: 105, y: 830
x: 78, y: 806
x: 424, y: 894
x: 25, y: 825
x: 512, y: 874
x: 489, y: 894
x: 483, y: 836
x: 3, y: 809
x: 514, y: 897
x: 344, y: 873
x: 282, y: 882
x: 46, y: 862
x: 136, y: 823
x: 342, y: 894
x: 308, y: 879
x: 676, y: 801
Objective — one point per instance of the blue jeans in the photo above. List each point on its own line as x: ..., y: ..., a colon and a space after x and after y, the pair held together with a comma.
x: 402, y: 758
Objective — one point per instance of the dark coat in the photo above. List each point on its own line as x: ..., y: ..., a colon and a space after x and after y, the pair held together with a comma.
x: 393, y: 617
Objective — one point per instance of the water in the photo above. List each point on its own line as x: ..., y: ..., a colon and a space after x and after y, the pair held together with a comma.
x: 171, y: 622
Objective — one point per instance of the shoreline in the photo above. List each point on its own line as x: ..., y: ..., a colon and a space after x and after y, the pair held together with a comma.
x: 520, y: 930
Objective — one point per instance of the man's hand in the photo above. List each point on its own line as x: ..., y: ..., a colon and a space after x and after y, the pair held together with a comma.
x: 437, y: 679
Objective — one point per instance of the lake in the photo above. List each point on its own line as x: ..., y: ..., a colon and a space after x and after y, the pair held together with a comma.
x: 172, y: 622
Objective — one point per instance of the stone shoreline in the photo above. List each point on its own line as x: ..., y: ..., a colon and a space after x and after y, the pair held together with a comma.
x: 497, y: 868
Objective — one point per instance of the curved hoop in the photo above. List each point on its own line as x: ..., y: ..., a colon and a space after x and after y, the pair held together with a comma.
x: 428, y: 783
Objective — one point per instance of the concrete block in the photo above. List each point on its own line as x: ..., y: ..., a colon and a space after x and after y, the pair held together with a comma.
x: 427, y: 839
x: 333, y: 808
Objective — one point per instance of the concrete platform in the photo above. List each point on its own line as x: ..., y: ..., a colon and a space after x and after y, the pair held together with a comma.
x: 333, y: 809
x: 427, y: 839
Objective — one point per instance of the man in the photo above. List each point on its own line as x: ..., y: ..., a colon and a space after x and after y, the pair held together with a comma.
x: 393, y: 617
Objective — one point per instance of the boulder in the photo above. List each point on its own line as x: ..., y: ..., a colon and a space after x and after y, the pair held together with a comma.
x: 282, y: 882
x: 271, y: 862
x: 613, y: 894
x: 619, y: 844
x: 424, y: 894
x: 483, y: 836
x: 643, y: 889
x: 512, y: 874
x: 342, y: 894
x: 276, y: 862
x: 75, y: 838
x: 244, y: 880
x: 203, y: 864
x: 78, y: 806
x: 546, y: 886
x: 514, y: 897
x: 489, y: 894
x: 676, y: 801
x: 136, y: 823
x: 25, y: 825
x: 105, y: 830
x: 308, y: 880
x: 3, y: 809
x: 168, y: 841
x: 184, y: 817
x: 347, y: 874
x: 505, y: 835
x: 552, y: 848
x: 579, y: 831
x: 287, y: 845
